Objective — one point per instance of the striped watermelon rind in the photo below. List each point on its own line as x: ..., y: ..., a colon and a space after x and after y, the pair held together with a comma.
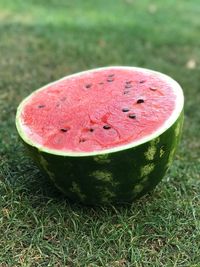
x: 117, y: 175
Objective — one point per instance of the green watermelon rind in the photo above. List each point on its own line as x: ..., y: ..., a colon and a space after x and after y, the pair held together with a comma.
x: 117, y: 175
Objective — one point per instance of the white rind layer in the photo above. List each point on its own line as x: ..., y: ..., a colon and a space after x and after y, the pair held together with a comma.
x: 166, y: 125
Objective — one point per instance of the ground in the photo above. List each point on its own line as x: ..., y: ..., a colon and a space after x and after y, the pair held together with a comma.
x: 41, y: 41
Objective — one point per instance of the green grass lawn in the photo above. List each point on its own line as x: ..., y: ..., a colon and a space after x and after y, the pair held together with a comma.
x: 41, y: 41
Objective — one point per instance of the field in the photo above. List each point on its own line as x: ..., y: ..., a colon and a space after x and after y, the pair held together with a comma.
x: 41, y: 41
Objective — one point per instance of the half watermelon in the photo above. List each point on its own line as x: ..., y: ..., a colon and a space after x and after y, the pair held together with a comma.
x: 106, y: 135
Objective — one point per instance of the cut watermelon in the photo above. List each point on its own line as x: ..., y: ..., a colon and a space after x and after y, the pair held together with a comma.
x: 105, y: 135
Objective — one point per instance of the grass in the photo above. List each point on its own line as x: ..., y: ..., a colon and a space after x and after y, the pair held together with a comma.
x: 41, y: 41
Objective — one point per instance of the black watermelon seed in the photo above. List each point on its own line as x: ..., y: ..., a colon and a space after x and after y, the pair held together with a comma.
x: 82, y: 140
x: 64, y: 130
x: 41, y: 106
x: 106, y: 127
x: 125, y: 110
x: 110, y: 80
x: 153, y: 88
x: 142, y: 81
x: 132, y: 116
x: 128, y: 82
x: 128, y: 86
x: 88, y: 85
x: 139, y: 101
x: 91, y: 130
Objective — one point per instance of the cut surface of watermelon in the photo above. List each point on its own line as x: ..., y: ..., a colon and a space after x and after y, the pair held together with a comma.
x: 105, y: 109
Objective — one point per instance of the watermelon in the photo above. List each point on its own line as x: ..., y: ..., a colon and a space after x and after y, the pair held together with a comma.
x: 106, y: 135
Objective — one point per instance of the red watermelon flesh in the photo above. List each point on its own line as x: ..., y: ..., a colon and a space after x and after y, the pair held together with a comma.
x: 98, y: 109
